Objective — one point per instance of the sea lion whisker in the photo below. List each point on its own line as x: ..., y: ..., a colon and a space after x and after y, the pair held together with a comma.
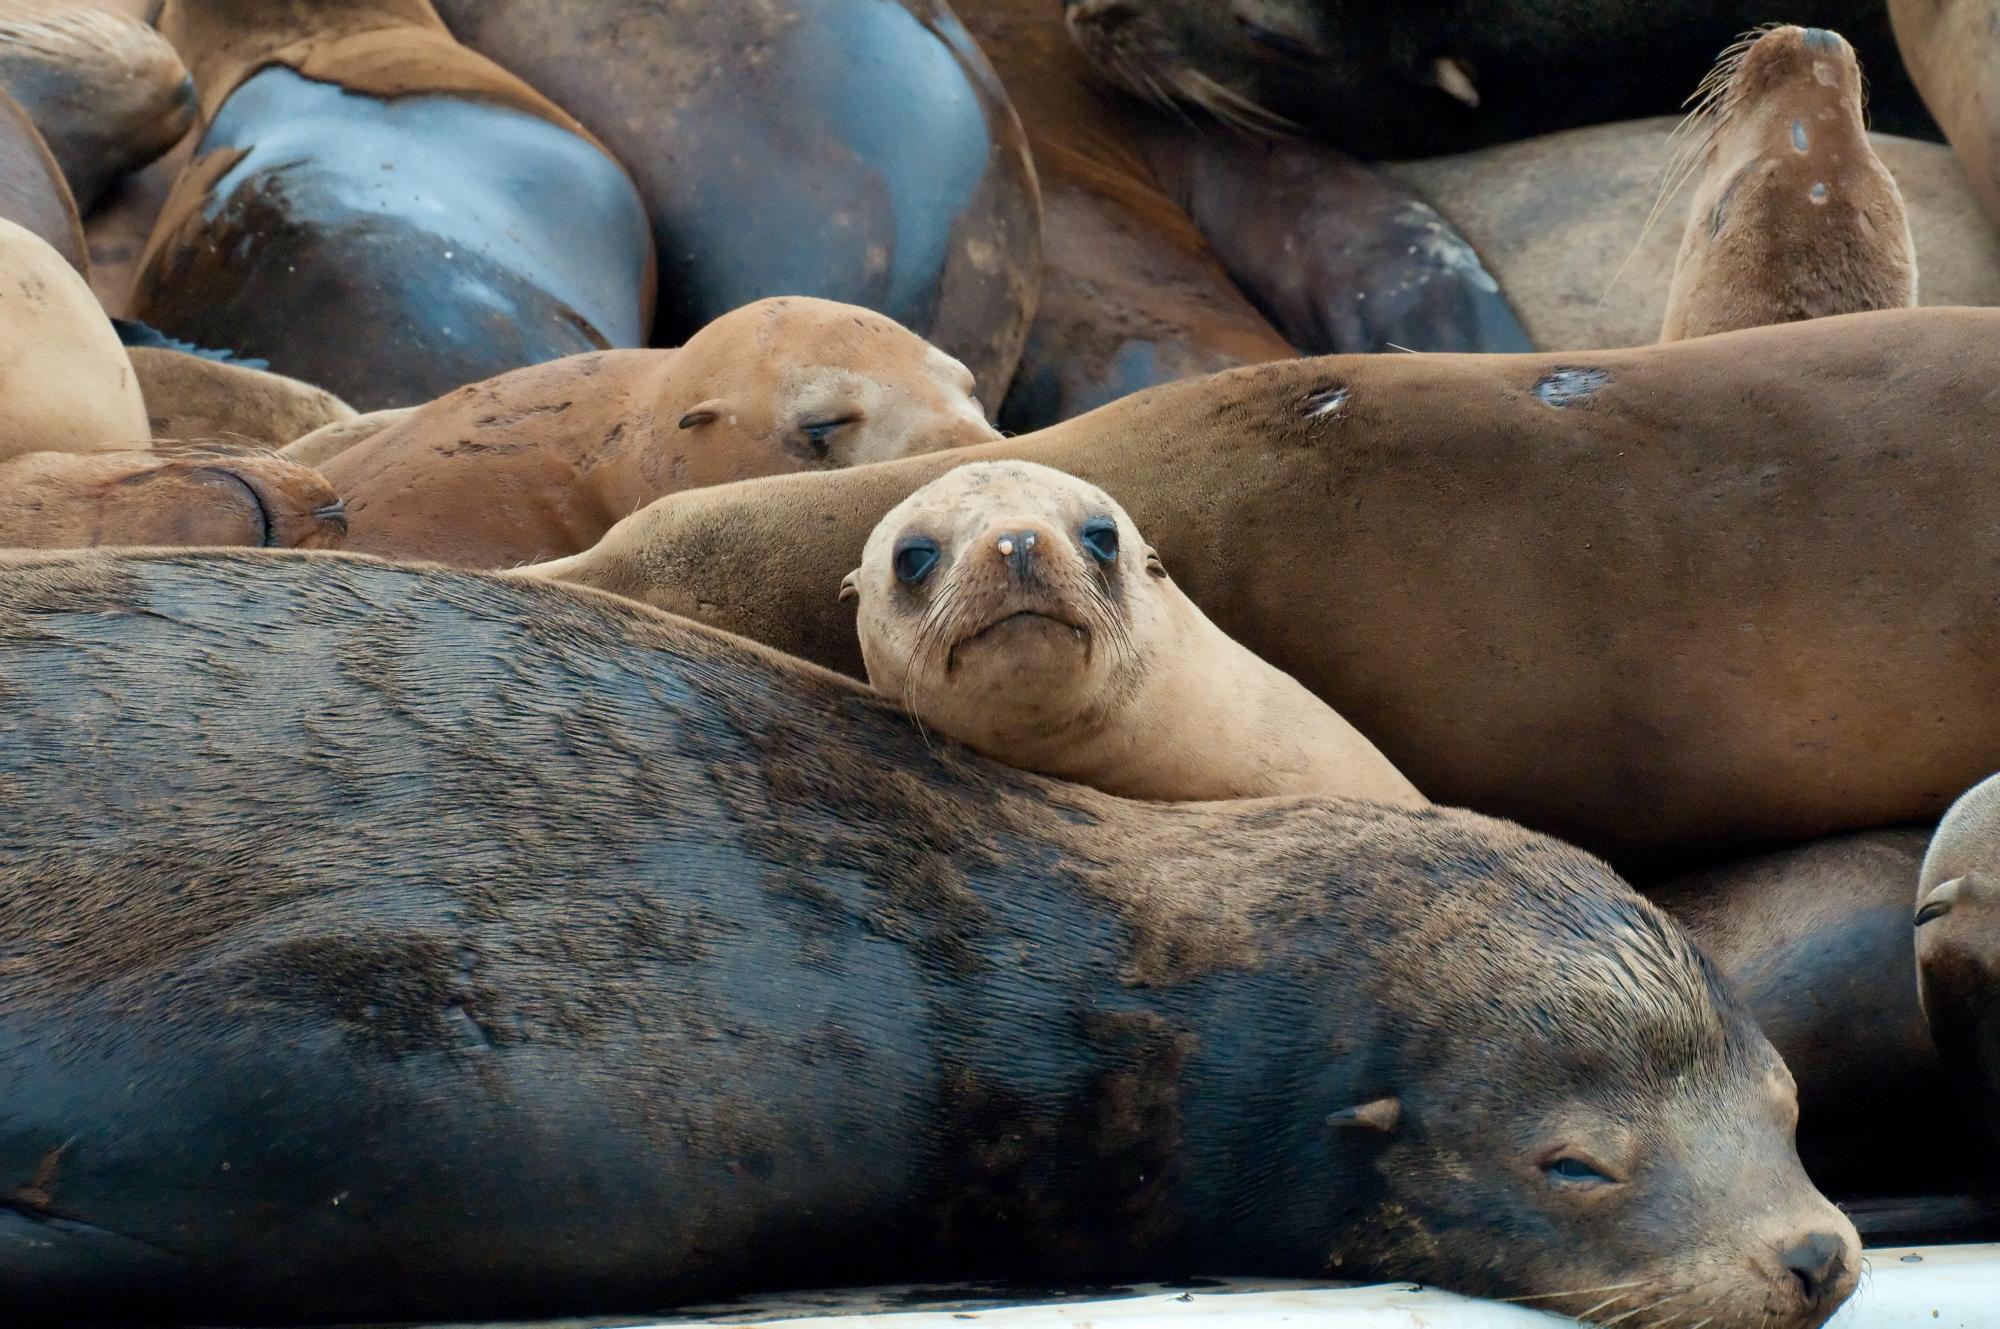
x: 1640, y: 1310
x: 1576, y: 1292
x: 1608, y: 1301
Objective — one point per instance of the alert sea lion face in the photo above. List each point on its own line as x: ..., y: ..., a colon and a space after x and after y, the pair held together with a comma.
x: 57, y: 500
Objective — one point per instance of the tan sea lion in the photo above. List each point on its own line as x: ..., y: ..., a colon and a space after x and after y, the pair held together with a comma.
x: 107, y: 91
x: 1958, y: 950
x: 678, y: 970
x: 337, y: 436
x: 1019, y: 610
x: 193, y: 398
x: 1794, y: 215
x: 183, y: 496
x: 1562, y: 223
x: 69, y: 387
x: 541, y: 462
x: 1948, y: 46
x: 1505, y: 569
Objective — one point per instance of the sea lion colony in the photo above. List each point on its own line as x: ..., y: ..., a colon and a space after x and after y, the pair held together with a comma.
x: 471, y: 928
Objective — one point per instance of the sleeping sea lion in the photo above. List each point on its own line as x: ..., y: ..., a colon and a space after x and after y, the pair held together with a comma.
x: 185, y: 496
x: 69, y: 386
x: 555, y: 956
x: 1018, y: 610
x: 1794, y: 215
x: 33, y: 193
x: 1958, y: 951
x: 194, y: 398
x: 540, y: 463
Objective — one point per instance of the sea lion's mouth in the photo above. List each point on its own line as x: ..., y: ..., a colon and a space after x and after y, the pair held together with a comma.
x: 1019, y: 618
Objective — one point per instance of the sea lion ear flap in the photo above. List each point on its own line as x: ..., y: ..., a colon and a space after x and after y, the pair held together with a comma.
x: 1383, y: 1114
x: 850, y: 586
x: 706, y: 413
x: 1153, y: 564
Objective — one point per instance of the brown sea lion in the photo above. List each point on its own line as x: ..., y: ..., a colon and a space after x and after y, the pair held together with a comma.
x: 377, y: 210
x: 117, y: 231
x: 69, y: 387
x: 1958, y: 950
x: 1400, y: 78
x: 640, y: 966
x: 1019, y: 610
x: 1562, y: 222
x: 1504, y: 569
x: 33, y: 193
x: 1816, y: 941
x: 1948, y: 47
x: 195, y: 398
x: 332, y: 439
x: 541, y: 462
x: 188, y: 496
x: 1794, y: 216
x: 108, y: 93
x: 859, y: 153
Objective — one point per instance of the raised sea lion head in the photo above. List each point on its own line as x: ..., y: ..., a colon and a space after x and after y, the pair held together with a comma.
x: 1199, y: 53
x: 826, y: 383
x: 1576, y: 1109
x: 1006, y: 601
x: 1958, y: 947
x: 1795, y: 216
x: 188, y: 496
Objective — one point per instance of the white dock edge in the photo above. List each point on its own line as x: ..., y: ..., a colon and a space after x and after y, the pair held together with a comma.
x: 1932, y: 1287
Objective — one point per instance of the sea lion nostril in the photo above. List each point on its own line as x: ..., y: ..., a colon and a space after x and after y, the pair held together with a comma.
x: 1817, y: 1263
x: 1819, y: 39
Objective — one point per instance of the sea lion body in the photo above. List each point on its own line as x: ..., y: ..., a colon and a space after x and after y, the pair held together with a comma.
x: 540, y: 462
x: 69, y: 387
x: 1416, y: 77
x: 74, y: 500
x: 347, y: 218
x: 1816, y: 941
x: 1794, y: 216
x: 1562, y: 223
x: 1496, y: 567
x: 1019, y: 610
x: 665, y: 968
x: 192, y: 398
x: 858, y: 153
x: 1958, y: 952
x: 337, y: 436
x: 108, y: 93
x: 1947, y: 45
x: 33, y: 193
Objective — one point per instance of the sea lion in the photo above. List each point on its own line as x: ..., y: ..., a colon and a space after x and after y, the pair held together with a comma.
x: 563, y: 957
x: 1816, y: 941
x: 347, y: 218
x: 540, y: 463
x: 332, y: 439
x: 1948, y: 48
x: 107, y: 92
x: 69, y: 386
x: 1413, y: 77
x: 1958, y: 950
x: 1572, y: 226
x: 1499, y: 568
x: 189, y: 496
x: 33, y: 193
x: 193, y: 398
x: 859, y: 153
x: 1794, y: 215
x: 117, y: 231
x: 1019, y: 610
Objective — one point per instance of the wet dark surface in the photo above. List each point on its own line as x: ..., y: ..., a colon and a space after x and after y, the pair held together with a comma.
x: 373, y: 248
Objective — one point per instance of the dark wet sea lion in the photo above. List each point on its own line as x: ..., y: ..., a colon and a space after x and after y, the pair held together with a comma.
x: 108, y: 93
x: 33, y: 193
x: 187, y: 496
x: 544, y: 954
x: 1816, y: 941
x: 1405, y: 78
x: 860, y: 153
x: 1499, y: 567
x: 1958, y: 951
x: 540, y: 462
x: 344, y: 217
x: 1561, y: 222
x: 193, y: 398
x: 1793, y: 215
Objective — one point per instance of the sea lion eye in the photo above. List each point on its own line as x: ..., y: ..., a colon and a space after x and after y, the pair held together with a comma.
x: 916, y: 555
x: 1100, y: 537
x: 818, y: 432
x: 1570, y: 1170
x: 1276, y: 42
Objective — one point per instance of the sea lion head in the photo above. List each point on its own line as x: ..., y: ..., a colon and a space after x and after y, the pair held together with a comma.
x: 1209, y: 55
x: 826, y: 384
x: 188, y: 496
x: 1573, y: 1109
x: 1794, y: 215
x: 1006, y: 602
x: 1958, y: 947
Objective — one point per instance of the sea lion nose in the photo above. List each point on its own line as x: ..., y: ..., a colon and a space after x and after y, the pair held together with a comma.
x: 1018, y: 548
x: 1819, y: 39
x: 1819, y: 1262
